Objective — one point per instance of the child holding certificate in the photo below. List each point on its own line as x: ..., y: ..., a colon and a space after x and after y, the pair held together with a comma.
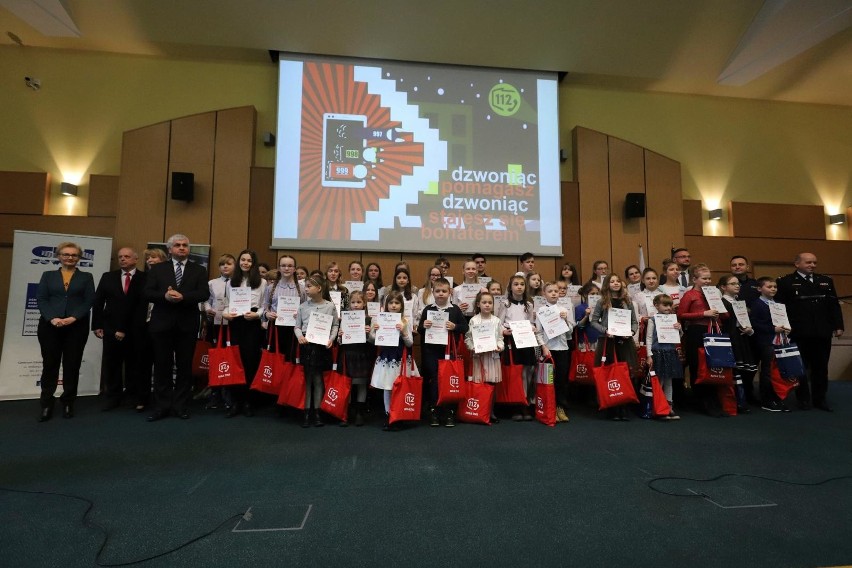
x: 663, y: 359
x: 485, y: 331
x: 389, y: 361
x: 622, y: 347
x: 315, y: 356
x: 358, y: 359
x: 518, y: 306
x: 244, y: 324
x: 214, y: 307
x: 465, y: 293
x: 284, y: 295
x: 432, y: 352
x: 740, y: 335
x: 764, y: 332
x: 553, y: 338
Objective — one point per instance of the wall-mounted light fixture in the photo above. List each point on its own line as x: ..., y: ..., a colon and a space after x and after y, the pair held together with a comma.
x: 838, y: 219
x: 66, y: 188
x: 715, y: 214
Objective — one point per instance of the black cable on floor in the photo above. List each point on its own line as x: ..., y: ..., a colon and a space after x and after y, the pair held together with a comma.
x: 93, y: 525
x: 651, y: 482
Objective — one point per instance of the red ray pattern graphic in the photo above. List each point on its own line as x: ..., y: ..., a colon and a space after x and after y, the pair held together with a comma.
x: 327, y: 213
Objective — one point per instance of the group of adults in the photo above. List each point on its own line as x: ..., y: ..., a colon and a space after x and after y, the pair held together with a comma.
x: 152, y: 317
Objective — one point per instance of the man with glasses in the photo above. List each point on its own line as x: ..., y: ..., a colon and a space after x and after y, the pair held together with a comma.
x: 682, y: 258
x: 175, y: 288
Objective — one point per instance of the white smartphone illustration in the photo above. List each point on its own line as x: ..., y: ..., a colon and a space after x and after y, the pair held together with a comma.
x: 343, y: 150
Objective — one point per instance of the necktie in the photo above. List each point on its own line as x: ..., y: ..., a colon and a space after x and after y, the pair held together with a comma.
x: 178, y: 273
x: 683, y: 281
x: 126, y: 282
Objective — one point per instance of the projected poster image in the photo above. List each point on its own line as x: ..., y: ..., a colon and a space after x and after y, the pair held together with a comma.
x: 391, y: 157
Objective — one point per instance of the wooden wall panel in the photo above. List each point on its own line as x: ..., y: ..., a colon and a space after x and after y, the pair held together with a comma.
x: 192, y: 150
x: 5, y: 282
x: 663, y: 195
x: 260, y: 208
x: 626, y: 175
x: 234, y: 157
x: 142, y: 186
x: 73, y: 224
x: 591, y: 169
x: 777, y: 221
x: 693, y: 217
x: 103, y: 195
x: 571, y: 236
x: 24, y: 193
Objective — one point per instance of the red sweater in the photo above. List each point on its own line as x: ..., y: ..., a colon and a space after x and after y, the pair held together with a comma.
x: 691, y: 309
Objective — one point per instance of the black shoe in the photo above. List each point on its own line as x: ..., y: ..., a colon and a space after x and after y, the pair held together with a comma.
x: 46, y: 414
x: 451, y: 419
x: 233, y: 410
x: 359, y: 418
x: 248, y: 410
x: 772, y: 406
x: 183, y: 414
x: 433, y: 417
x: 743, y: 410
x: 823, y: 406
x: 157, y: 415
x: 495, y: 420
x: 307, y: 422
x: 318, y: 423
x: 784, y: 407
x: 68, y: 411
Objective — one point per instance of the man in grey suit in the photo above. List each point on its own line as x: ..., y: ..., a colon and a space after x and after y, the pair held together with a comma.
x: 175, y: 288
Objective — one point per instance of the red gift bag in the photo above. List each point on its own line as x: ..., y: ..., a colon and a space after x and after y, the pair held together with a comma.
x: 718, y: 376
x: 661, y: 406
x: 728, y: 399
x: 613, y: 383
x: 200, y: 359
x: 406, y: 395
x: 269, y: 372
x: 582, y: 363
x: 292, y: 384
x: 450, y: 375
x: 780, y: 385
x: 641, y: 354
x: 545, y: 404
x: 510, y: 390
x: 226, y: 367
x: 475, y: 405
x: 337, y: 390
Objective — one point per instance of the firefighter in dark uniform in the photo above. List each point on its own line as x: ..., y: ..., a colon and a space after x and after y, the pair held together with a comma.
x: 814, y: 313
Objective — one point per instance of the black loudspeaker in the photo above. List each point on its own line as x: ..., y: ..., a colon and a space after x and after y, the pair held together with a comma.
x: 634, y: 205
x: 183, y: 186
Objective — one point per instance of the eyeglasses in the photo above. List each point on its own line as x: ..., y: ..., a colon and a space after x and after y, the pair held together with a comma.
x: 66, y: 255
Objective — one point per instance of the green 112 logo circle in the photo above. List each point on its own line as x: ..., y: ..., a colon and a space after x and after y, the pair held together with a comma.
x: 504, y: 99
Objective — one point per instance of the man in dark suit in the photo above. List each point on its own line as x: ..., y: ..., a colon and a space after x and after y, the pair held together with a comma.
x: 815, y: 316
x: 175, y: 288
x: 118, y: 317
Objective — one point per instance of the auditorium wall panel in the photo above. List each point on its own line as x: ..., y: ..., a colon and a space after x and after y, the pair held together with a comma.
x: 24, y: 193
x: 103, y: 195
x: 262, y: 186
x: 665, y: 219
x: 693, y: 217
x: 591, y: 170
x: 777, y: 220
x: 626, y: 175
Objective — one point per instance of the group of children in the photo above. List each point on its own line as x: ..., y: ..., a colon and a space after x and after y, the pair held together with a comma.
x: 563, y: 315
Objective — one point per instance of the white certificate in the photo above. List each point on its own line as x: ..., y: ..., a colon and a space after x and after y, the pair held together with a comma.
x: 288, y: 307
x: 484, y: 280
x: 779, y: 315
x: 387, y: 335
x: 239, y: 300
x: 450, y: 280
x: 566, y: 304
x: 352, y: 325
x: 573, y: 291
x: 741, y: 311
x: 483, y: 336
x: 336, y: 299
x: 373, y: 309
x: 467, y: 295
x: 714, y: 299
x: 551, y: 321
x: 592, y: 300
x: 523, y: 334
x: 408, y: 309
x: 618, y: 322
x: 649, y: 304
x: 437, y: 334
x: 319, y: 328
x: 354, y: 285
x: 664, y: 324
x: 539, y: 302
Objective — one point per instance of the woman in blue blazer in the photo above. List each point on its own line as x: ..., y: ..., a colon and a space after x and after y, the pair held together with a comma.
x: 65, y: 297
